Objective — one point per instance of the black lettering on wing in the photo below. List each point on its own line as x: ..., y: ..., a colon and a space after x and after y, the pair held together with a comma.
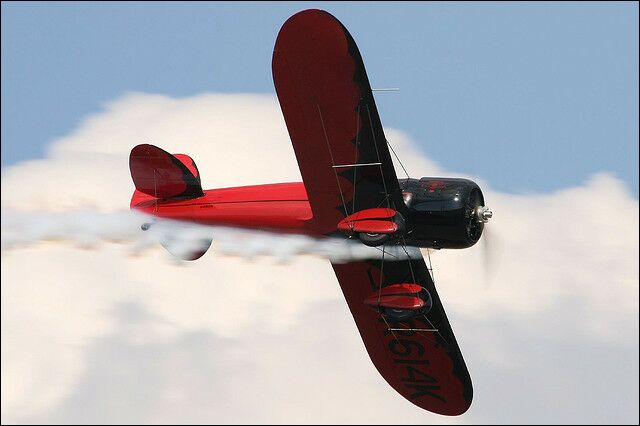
x: 416, y: 375
x: 423, y: 390
x: 403, y: 347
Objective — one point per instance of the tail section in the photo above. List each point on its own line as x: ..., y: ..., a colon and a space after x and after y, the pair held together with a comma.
x: 161, y: 175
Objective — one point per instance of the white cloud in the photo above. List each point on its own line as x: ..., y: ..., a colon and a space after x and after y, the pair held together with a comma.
x: 96, y: 335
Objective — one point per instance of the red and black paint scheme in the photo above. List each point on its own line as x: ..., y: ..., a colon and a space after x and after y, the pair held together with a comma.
x: 350, y: 189
x: 280, y: 207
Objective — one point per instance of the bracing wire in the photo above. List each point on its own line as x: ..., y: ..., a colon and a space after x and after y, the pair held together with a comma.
x: 398, y: 158
x: 381, y: 275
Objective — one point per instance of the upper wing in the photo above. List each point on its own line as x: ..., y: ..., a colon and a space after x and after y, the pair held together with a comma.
x: 332, y: 119
x: 426, y: 367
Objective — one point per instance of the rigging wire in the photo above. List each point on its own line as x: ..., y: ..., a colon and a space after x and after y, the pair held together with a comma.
x: 375, y: 145
x: 333, y: 163
x: 404, y: 247
x: 381, y: 275
x: 398, y: 158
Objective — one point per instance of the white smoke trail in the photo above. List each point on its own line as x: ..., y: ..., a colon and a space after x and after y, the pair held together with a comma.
x: 88, y: 229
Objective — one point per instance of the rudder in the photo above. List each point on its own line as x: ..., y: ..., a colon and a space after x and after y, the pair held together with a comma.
x: 159, y: 174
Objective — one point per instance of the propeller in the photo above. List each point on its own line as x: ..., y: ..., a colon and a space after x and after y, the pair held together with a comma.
x: 490, y: 245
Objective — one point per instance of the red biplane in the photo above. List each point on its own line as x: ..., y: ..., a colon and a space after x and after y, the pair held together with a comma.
x: 350, y: 189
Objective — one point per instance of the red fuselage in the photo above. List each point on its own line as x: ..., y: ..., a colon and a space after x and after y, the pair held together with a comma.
x: 282, y: 207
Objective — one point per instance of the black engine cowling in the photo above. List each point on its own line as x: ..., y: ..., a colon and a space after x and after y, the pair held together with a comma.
x: 443, y: 212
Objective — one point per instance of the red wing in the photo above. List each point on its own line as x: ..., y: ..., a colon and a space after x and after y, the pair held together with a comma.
x: 426, y: 367
x: 332, y: 119
x: 343, y: 157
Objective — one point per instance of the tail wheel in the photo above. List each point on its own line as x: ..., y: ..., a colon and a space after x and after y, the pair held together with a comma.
x: 373, y: 240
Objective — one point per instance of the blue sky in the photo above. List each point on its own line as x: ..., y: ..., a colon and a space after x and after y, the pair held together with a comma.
x: 532, y: 97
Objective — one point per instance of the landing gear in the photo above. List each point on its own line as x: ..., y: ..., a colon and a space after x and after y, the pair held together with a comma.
x: 399, y: 302
x: 374, y: 227
x: 373, y: 240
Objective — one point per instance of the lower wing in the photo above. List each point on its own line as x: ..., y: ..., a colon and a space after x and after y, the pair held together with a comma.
x: 419, y: 357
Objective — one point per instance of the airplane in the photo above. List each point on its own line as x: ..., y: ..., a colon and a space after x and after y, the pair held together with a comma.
x: 349, y: 189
